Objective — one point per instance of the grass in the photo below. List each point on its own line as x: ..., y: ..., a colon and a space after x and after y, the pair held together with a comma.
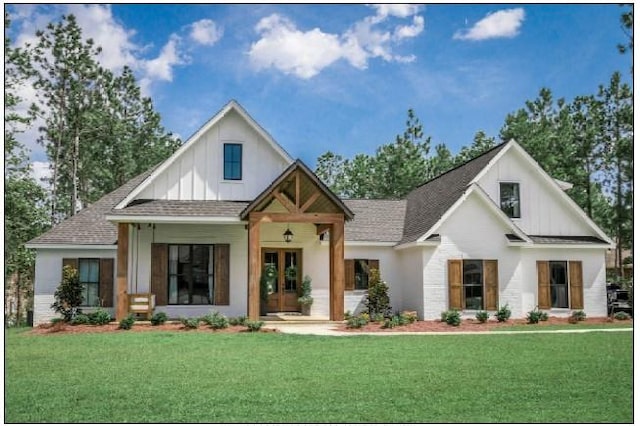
x: 580, y: 325
x: 189, y: 377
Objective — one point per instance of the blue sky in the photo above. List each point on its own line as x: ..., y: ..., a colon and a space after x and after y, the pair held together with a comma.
x: 341, y: 77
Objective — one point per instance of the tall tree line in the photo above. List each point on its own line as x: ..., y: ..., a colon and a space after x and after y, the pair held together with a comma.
x: 97, y: 130
x: 587, y: 142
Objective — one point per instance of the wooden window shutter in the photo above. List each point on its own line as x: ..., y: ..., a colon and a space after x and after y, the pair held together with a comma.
x: 455, y: 283
x: 491, y: 284
x: 221, y: 274
x: 349, y: 274
x: 544, y: 284
x: 106, y: 282
x: 575, y: 281
x: 159, y: 272
x: 73, y: 262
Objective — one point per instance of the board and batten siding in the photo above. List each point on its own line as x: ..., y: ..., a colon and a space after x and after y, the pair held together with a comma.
x: 48, y: 272
x: 543, y: 212
x: 197, y: 174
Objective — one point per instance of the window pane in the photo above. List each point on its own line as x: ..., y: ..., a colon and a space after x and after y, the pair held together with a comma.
x: 94, y: 271
x: 173, y: 290
x: 83, y: 270
x: 173, y: 259
x: 92, y: 295
x: 200, y: 294
x: 510, y: 199
x: 362, y: 274
x: 472, y: 281
x: 559, y: 284
x: 233, y: 161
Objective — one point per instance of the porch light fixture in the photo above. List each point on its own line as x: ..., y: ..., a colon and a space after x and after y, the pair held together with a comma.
x: 288, y: 235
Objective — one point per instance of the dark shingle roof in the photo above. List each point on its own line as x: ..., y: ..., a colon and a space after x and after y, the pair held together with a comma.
x: 375, y: 220
x: 89, y: 225
x: 565, y: 239
x: 212, y: 208
x: 427, y: 203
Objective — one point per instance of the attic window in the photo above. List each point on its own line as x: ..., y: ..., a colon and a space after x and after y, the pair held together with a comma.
x: 510, y: 199
x: 232, y: 161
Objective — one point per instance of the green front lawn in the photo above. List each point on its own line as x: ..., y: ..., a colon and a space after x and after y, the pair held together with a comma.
x: 203, y: 377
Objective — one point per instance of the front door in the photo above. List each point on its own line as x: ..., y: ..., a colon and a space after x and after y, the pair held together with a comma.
x: 286, y: 281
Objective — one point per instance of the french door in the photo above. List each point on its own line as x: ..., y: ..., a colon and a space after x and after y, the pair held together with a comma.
x: 286, y: 267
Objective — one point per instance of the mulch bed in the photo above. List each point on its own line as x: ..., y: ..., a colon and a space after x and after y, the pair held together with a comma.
x: 62, y: 328
x: 474, y: 325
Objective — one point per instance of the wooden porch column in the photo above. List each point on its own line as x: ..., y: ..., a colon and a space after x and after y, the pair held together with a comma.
x: 336, y: 266
x: 122, y: 271
x: 253, y: 296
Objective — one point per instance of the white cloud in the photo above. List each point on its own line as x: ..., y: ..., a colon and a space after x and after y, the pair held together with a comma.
x: 161, y: 68
x: 40, y: 170
x: 304, y: 54
x: 206, y: 32
x: 500, y: 24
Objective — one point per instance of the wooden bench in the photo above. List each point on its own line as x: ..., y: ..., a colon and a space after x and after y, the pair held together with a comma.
x: 142, y: 303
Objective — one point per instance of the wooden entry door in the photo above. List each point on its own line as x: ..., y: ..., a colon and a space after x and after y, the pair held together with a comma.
x: 288, y: 264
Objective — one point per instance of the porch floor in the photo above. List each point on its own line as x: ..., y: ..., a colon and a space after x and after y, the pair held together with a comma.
x: 294, y: 317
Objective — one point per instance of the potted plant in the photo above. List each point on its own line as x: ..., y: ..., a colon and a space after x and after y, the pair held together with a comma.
x: 267, y: 281
x: 306, y: 300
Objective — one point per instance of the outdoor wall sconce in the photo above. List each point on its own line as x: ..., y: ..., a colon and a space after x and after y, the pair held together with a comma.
x: 288, y: 235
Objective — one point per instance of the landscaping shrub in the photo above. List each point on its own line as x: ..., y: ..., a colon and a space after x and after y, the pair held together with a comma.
x: 504, y: 313
x: 411, y: 316
x: 451, y: 317
x: 80, y: 319
x: 482, y: 316
x: 254, y: 325
x: 377, y: 299
x: 99, y: 317
x: 159, y: 318
x: 358, y: 321
x: 347, y: 315
x: 534, y: 316
x: 544, y: 316
x: 621, y: 316
x: 68, y: 295
x: 127, y: 323
x: 241, y: 320
x: 55, y: 321
x: 579, y: 315
x: 215, y: 320
x: 378, y: 317
x: 392, y: 322
x: 190, y: 322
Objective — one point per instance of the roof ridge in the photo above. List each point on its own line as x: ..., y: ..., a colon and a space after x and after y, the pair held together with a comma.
x: 462, y: 164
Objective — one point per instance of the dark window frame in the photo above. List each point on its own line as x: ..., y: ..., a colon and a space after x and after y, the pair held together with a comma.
x: 468, y: 285
x: 555, y: 287
x: 210, y: 275
x: 86, y: 283
x: 228, y: 163
x: 512, y: 211
x: 359, y: 276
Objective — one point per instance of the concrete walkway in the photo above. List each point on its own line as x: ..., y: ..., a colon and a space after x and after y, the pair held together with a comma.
x: 328, y: 330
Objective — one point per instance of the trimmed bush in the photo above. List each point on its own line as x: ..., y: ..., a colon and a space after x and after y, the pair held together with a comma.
x: 410, y: 316
x: 358, y: 321
x: 253, y: 326
x: 579, y: 315
x: 99, y: 317
x: 58, y: 320
x: 621, y: 316
x: 391, y: 322
x: 127, y: 323
x: 68, y: 295
x: 80, y: 319
x: 482, y: 316
x: 159, y: 318
x: 504, y: 313
x: 190, y: 323
x: 377, y: 299
x: 544, y: 316
x: 534, y: 316
x: 451, y: 317
x: 241, y: 320
x: 378, y: 317
x: 215, y: 320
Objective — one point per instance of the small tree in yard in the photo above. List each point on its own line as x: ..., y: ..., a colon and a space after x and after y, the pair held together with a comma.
x: 68, y: 295
x: 377, y: 300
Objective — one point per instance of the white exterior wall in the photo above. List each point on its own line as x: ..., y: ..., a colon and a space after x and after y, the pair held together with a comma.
x: 542, y: 210
x: 471, y: 232
x: 593, y: 278
x: 390, y: 272
x: 411, y: 273
x: 197, y: 174
x: 49, y: 275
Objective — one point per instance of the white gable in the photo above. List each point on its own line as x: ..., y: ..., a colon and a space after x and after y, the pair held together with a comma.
x: 545, y: 209
x: 195, y: 171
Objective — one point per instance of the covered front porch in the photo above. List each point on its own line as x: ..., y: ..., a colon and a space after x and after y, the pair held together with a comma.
x: 194, y: 257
